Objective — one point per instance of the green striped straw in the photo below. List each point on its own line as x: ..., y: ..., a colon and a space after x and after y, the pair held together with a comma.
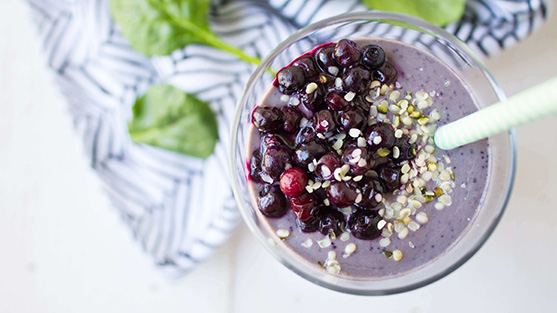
x: 527, y: 106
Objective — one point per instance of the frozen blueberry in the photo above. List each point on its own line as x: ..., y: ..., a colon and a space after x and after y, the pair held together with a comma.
x: 358, y: 159
x: 363, y: 224
x: 304, y: 206
x: 275, y: 160
x: 324, y: 121
x: 272, y: 202
x: 325, y: 60
x: 347, y: 52
x: 407, y: 150
x: 306, y: 133
x: 267, y: 119
x: 380, y: 135
x: 335, y: 100
x: 356, y: 79
x: 291, y: 79
x: 311, y: 223
x: 314, y: 100
x: 372, y: 193
x: 390, y: 176
x: 386, y: 74
x: 331, y: 221
x: 307, y: 63
x: 373, y: 56
x: 354, y: 117
x: 292, y: 117
x: 326, y: 165
x: 255, y: 166
x: 341, y: 195
x: 308, y: 151
x: 271, y: 140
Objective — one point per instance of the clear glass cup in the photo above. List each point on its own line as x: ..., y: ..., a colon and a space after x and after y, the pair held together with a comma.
x: 425, y: 36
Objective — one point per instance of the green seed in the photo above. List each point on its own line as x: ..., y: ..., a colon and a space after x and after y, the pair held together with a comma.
x: 387, y: 253
x: 383, y: 109
x: 423, y: 120
x: 410, y: 109
x: 438, y: 192
x: 452, y: 176
x: 415, y: 114
x: 383, y: 152
x: 429, y: 198
x: 323, y: 79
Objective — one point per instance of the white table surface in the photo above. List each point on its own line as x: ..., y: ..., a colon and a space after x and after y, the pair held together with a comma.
x: 63, y: 248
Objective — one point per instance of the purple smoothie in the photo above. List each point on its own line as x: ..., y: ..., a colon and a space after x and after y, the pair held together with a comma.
x: 418, y: 71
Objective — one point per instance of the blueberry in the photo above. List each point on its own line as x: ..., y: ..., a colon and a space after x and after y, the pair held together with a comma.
x: 407, y: 150
x: 341, y: 195
x: 313, y: 101
x: 293, y: 182
x: 386, y: 74
x: 307, y: 63
x: 360, y: 102
x: 324, y: 57
x: 373, y: 56
x: 347, y: 52
x: 324, y: 121
x: 267, y: 119
x: 363, y: 224
x: 356, y: 79
x: 304, y: 206
x: 390, y: 176
x: 335, y: 100
x: 272, y: 202
x: 275, y: 160
x: 331, y: 221
x: 306, y: 133
x: 271, y: 140
x: 291, y: 79
x: 326, y: 165
x: 310, y: 224
x: 308, y: 151
x: 353, y: 156
x: 371, y: 187
x: 354, y: 117
x: 380, y: 135
x: 292, y: 117
x: 255, y: 166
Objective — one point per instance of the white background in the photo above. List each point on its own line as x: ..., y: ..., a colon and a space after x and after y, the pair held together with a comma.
x: 63, y: 249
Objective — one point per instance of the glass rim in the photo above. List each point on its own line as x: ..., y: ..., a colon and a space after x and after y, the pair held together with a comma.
x: 380, y: 16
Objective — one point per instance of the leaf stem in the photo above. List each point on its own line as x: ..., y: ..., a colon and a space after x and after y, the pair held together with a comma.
x: 205, y: 35
x: 212, y: 40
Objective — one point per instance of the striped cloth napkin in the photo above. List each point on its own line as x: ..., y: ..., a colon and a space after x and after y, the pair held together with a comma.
x: 180, y: 209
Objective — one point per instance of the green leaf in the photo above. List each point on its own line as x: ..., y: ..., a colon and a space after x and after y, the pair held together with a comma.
x: 158, y: 27
x: 168, y: 118
x: 440, y: 12
x: 149, y: 27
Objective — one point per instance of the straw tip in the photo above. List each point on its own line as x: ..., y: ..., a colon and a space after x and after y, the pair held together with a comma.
x: 442, y: 143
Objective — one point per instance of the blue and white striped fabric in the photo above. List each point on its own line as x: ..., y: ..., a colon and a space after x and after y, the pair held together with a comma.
x: 179, y: 208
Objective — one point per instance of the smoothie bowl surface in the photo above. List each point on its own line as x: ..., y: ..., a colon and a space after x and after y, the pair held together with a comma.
x: 339, y: 174
x: 344, y: 164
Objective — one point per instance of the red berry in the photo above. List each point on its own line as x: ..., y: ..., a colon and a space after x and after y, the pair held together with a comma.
x: 293, y: 182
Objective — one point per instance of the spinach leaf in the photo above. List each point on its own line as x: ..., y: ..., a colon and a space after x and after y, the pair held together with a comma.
x: 440, y: 12
x: 158, y: 27
x: 168, y: 118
